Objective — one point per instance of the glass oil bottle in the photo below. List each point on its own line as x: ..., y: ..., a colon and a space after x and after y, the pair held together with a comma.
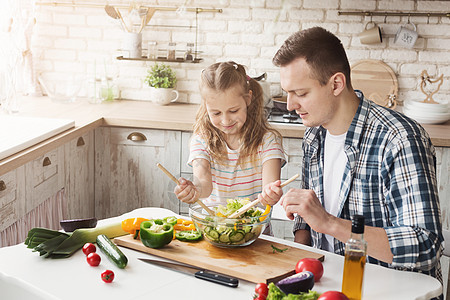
x: 355, y: 260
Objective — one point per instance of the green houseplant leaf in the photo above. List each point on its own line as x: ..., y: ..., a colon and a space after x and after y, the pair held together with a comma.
x: 161, y: 76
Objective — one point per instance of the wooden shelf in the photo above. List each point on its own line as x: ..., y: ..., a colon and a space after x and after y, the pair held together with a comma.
x: 160, y: 59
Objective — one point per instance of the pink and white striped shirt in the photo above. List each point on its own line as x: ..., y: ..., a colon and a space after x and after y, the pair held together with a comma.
x: 231, y: 180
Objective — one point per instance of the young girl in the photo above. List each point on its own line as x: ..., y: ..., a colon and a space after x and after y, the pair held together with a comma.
x: 234, y: 152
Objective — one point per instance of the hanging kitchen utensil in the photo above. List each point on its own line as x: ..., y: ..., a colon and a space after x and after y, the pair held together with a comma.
x: 115, y: 14
x: 245, y: 208
x: 178, y: 183
x: 146, y: 18
x: 377, y: 81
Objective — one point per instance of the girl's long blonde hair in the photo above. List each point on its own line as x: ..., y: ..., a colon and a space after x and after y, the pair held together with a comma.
x: 220, y: 77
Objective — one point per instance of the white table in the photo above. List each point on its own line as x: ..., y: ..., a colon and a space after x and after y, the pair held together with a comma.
x: 73, y: 278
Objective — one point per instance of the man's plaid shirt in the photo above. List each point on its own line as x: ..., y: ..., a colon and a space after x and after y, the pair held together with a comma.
x: 390, y: 178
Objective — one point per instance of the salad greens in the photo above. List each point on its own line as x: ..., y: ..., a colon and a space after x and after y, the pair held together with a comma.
x: 233, y: 205
x: 276, y: 294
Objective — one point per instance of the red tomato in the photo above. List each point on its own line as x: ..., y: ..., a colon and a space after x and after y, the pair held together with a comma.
x: 261, y: 290
x: 89, y: 248
x: 108, y: 276
x: 310, y: 264
x: 260, y: 297
x: 93, y: 259
x: 333, y: 295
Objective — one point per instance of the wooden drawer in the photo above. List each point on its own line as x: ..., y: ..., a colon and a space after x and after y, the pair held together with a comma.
x: 12, y: 187
x: 137, y: 137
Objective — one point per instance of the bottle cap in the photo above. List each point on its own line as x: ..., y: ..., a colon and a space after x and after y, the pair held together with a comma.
x: 357, y: 224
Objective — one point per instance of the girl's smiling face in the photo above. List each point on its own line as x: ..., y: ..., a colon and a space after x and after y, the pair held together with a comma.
x: 227, y: 111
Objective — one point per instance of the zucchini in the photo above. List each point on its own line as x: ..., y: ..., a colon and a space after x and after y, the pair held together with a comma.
x: 112, y: 251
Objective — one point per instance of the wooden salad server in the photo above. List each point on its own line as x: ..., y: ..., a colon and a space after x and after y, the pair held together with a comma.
x: 210, y: 211
x: 246, y: 207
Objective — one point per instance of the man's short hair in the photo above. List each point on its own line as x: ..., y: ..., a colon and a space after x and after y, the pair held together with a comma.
x: 322, y: 51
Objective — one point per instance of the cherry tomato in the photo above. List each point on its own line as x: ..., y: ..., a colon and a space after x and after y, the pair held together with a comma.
x: 108, y: 276
x: 260, y: 297
x: 310, y: 264
x: 333, y: 295
x: 93, y: 259
x: 89, y: 248
x: 261, y: 290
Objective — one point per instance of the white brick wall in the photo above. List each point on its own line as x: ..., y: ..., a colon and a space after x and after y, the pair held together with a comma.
x: 250, y: 32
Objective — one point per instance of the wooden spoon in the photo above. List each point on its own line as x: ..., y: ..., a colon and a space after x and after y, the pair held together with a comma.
x: 211, y: 212
x: 246, y: 207
x: 115, y: 14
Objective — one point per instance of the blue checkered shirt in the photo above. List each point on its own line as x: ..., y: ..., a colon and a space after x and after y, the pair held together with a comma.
x: 390, y: 178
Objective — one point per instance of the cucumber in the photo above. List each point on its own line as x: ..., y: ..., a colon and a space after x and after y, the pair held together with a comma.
x: 236, y: 236
x: 224, y: 238
x: 112, y: 251
x: 214, y: 235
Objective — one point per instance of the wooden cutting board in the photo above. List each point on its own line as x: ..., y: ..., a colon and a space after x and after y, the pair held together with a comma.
x: 377, y: 81
x: 255, y: 263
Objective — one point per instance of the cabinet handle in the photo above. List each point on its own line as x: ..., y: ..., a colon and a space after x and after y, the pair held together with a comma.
x: 47, y: 162
x: 80, y: 141
x: 136, y: 136
x: 2, y: 186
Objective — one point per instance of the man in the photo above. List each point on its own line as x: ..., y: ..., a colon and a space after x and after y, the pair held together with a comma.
x: 359, y: 158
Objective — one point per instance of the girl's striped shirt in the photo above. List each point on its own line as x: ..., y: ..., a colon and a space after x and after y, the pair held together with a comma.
x: 231, y: 180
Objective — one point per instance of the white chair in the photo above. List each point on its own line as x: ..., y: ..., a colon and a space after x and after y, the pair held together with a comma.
x: 446, y: 234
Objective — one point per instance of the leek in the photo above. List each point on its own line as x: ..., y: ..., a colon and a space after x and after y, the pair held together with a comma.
x: 56, y: 244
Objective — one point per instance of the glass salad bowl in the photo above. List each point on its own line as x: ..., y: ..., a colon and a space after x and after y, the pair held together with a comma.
x: 224, y: 232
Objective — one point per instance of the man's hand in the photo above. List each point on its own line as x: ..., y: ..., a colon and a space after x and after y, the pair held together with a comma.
x: 186, y: 191
x: 271, y: 193
x: 306, y: 204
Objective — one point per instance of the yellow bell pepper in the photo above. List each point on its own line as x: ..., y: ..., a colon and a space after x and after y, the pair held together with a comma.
x: 132, y: 225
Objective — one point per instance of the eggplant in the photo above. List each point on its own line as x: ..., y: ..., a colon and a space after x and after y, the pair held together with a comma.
x: 297, y: 283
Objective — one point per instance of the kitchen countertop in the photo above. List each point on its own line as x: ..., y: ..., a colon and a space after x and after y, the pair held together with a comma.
x: 73, y: 278
x: 141, y: 114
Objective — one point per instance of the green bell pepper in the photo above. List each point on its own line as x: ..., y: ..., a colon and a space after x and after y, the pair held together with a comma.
x: 156, y: 233
x: 188, y: 235
x: 171, y: 220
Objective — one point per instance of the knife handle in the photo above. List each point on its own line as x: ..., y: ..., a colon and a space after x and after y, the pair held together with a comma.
x: 217, y: 278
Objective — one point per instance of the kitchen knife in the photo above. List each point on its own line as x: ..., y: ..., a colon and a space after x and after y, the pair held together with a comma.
x: 198, y: 272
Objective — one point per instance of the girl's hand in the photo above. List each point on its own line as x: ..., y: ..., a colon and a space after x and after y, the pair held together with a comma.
x: 271, y: 193
x: 186, y: 191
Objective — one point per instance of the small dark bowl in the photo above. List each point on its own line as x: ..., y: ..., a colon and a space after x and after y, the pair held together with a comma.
x: 72, y: 225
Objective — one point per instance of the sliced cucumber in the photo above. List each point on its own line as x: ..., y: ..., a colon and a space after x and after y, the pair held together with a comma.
x: 236, y: 236
x: 112, y: 251
x: 224, y: 238
x: 213, y: 234
x: 249, y: 236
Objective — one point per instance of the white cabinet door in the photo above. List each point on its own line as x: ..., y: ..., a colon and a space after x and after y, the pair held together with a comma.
x: 126, y: 175
x: 12, y: 197
x: 44, y: 178
x: 79, y: 176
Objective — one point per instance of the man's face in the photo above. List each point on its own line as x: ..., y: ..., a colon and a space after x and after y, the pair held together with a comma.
x: 314, y: 103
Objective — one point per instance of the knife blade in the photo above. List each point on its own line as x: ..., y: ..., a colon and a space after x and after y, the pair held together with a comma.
x: 198, y: 272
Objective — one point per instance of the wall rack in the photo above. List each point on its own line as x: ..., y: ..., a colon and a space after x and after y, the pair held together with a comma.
x: 162, y: 59
x: 392, y: 14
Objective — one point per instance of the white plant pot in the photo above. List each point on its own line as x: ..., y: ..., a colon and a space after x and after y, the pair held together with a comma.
x: 163, y: 96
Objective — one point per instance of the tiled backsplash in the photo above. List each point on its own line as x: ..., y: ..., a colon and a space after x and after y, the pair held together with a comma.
x: 78, y: 39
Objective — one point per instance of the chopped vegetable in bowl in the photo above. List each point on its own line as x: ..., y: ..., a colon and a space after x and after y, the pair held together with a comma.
x: 225, y: 232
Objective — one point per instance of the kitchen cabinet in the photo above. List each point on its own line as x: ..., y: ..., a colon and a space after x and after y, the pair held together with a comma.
x: 44, y: 178
x: 126, y: 175
x: 12, y: 197
x: 79, y: 176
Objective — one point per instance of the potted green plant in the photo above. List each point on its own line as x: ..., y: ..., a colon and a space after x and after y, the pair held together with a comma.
x: 162, y: 80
